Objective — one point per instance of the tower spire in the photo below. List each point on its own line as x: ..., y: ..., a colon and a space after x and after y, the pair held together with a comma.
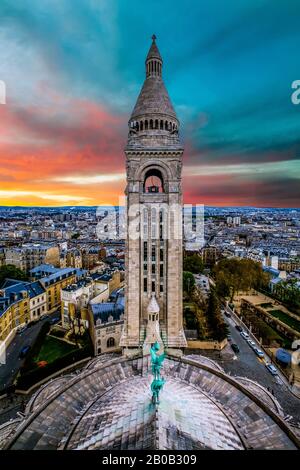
x: 154, y: 61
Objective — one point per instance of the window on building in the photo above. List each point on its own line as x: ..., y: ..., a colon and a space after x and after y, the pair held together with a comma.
x: 145, y: 223
x: 153, y: 286
x: 110, y: 342
x: 161, y: 254
x: 161, y: 270
x: 145, y: 251
x: 145, y: 284
x: 153, y: 268
x: 153, y: 253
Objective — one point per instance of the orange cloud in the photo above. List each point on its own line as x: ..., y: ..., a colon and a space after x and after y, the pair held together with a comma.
x: 41, y: 150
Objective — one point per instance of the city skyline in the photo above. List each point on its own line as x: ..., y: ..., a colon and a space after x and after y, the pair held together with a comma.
x: 229, y: 76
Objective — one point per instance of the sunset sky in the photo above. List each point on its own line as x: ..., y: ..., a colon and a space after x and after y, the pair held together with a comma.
x: 73, y: 70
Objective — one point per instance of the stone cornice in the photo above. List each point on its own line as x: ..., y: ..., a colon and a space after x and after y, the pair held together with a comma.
x: 154, y: 152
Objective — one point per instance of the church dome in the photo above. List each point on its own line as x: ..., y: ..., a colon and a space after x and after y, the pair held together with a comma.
x: 109, y: 406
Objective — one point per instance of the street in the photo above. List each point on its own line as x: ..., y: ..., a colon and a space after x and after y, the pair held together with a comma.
x: 247, y: 364
x: 9, y: 370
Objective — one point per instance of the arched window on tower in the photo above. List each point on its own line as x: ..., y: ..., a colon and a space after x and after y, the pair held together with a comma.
x: 151, y: 124
x: 141, y: 125
x: 153, y: 182
x: 161, y: 125
x: 156, y: 123
x: 146, y: 125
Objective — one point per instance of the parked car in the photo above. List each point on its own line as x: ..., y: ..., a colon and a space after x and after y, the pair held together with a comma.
x: 229, y: 338
x: 239, y: 328
x: 54, y: 320
x: 31, y: 323
x: 21, y: 329
x: 258, y: 352
x: 251, y: 343
x: 24, y: 351
x: 244, y: 335
x: 235, y: 348
x: 271, y: 368
x: 227, y: 314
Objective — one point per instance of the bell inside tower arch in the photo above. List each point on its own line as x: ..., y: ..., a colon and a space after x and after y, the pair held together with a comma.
x: 153, y: 182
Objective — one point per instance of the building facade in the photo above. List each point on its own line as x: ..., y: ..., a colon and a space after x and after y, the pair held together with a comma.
x: 154, y: 214
x: 76, y: 297
x: 105, y: 322
x: 29, y: 256
x: 54, y: 283
x: 14, y: 312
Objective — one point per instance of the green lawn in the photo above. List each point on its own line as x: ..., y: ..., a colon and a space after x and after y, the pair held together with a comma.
x: 285, y: 318
x: 53, y: 348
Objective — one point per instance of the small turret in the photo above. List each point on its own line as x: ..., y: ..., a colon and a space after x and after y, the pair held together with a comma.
x: 152, y: 330
x: 154, y: 61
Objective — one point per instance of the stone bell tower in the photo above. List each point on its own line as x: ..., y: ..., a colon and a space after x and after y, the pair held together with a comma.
x: 153, y: 260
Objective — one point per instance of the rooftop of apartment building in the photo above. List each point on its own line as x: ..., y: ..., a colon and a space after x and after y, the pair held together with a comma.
x: 81, y: 283
x: 44, y: 269
x: 107, y: 312
x: 32, y: 288
x: 59, y: 275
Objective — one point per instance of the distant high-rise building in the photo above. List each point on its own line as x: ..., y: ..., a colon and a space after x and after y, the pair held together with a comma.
x: 236, y: 220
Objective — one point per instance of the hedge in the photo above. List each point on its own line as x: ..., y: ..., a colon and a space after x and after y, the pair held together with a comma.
x: 33, y: 352
x: 27, y: 379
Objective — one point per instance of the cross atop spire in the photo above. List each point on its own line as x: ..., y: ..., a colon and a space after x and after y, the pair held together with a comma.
x: 153, y: 38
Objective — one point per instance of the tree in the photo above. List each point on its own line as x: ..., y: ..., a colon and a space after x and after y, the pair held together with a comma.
x: 288, y: 292
x: 235, y: 274
x: 193, y: 264
x: 12, y: 272
x: 214, y: 317
x: 212, y: 310
x: 188, y: 281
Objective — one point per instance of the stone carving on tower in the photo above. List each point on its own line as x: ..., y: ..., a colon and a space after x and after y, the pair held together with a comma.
x: 153, y: 261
